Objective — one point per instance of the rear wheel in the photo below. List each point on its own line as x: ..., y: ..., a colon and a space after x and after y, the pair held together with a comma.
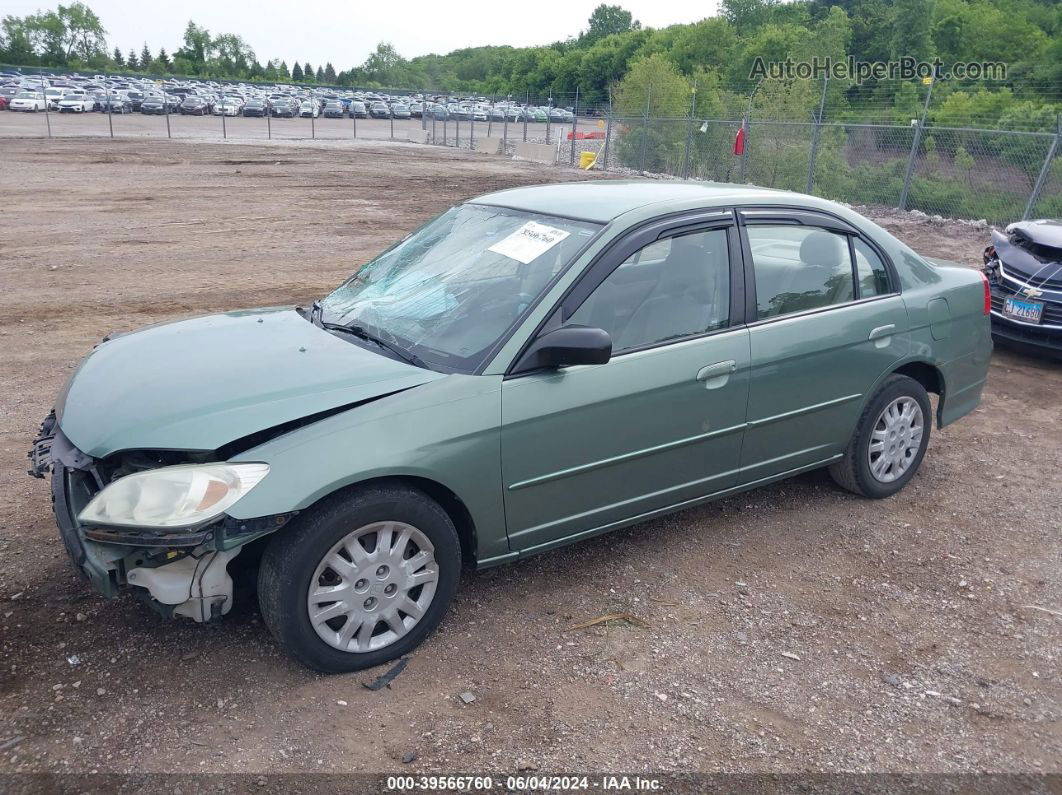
x: 361, y: 579
x: 889, y: 442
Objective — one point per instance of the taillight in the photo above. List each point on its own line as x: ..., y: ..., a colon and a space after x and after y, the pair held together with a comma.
x: 988, y: 293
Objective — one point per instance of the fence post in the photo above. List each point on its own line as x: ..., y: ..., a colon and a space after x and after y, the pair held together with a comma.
x: 527, y: 105
x: 746, y: 125
x: 645, y: 124
x: 391, y: 116
x: 1044, y: 172
x: 490, y: 116
x: 505, y: 124
x: 224, y: 132
x: 313, y: 128
x: 575, y: 124
x: 472, y: 127
x: 457, y: 132
x: 689, y: 135
x: 815, y: 132
x: 47, y: 116
x: 608, y: 130
x: 166, y: 107
x: 914, y: 150
x: 549, y: 114
x: 110, y: 113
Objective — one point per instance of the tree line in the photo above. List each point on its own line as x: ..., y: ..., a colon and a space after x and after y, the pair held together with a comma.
x: 645, y: 69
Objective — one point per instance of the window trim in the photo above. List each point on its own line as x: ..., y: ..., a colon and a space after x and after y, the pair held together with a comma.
x: 623, y: 246
x: 758, y: 215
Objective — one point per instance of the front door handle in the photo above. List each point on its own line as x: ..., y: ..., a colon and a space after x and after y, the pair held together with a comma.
x: 880, y: 335
x: 716, y: 375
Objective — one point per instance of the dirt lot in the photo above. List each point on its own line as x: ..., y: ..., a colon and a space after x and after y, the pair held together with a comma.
x: 795, y: 628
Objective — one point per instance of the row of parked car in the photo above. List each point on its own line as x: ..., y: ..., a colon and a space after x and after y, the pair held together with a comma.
x: 83, y: 94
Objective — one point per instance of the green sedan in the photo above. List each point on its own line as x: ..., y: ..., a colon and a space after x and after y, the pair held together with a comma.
x: 533, y: 367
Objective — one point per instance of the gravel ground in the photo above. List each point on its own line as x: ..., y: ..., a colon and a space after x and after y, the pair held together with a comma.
x: 795, y: 628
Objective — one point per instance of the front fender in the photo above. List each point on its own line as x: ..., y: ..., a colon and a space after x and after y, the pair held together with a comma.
x: 446, y: 431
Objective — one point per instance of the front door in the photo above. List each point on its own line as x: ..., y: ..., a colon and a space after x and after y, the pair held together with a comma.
x: 589, y: 447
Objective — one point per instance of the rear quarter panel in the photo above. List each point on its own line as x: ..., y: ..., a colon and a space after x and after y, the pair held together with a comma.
x: 949, y: 329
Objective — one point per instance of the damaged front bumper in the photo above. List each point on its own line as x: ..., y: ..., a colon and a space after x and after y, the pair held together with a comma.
x: 179, y: 572
x: 1045, y: 334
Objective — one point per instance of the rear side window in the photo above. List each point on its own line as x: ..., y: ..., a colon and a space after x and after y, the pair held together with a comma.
x: 799, y: 268
x: 871, y: 276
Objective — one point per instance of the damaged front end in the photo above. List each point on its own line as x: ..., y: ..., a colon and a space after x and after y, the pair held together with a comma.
x: 180, y: 570
x: 1024, y: 270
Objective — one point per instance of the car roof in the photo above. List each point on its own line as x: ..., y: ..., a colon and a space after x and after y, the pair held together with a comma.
x: 602, y: 201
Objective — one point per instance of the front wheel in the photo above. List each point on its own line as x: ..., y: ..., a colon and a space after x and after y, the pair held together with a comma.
x: 889, y: 442
x: 360, y: 579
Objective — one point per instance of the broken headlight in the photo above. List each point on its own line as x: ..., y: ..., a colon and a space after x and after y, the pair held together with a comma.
x: 173, y: 496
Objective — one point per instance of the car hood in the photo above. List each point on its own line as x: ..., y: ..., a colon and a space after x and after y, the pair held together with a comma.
x: 199, y: 384
x: 1032, y: 250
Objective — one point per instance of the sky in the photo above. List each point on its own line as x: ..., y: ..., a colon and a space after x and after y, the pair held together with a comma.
x: 344, y: 32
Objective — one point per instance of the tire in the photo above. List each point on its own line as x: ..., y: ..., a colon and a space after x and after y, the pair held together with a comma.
x: 854, y: 471
x: 294, y: 559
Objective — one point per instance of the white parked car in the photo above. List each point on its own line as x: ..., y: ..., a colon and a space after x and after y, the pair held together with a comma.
x: 309, y: 109
x: 76, y: 103
x: 29, y: 101
x: 229, y: 107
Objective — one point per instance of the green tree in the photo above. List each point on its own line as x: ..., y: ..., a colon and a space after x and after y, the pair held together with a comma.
x: 163, y: 60
x: 912, y: 20
x: 746, y: 15
x: 307, y: 72
x: 283, y: 71
x: 296, y: 73
x: 145, y: 57
x: 117, y: 57
x: 131, y: 60
x: 329, y: 73
x: 198, y: 47
x: 232, y: 56
x: 652, y: 87
x: 708, y: 43
x: 381, y: 65
x: 84, y: 35
x: 605, y: 21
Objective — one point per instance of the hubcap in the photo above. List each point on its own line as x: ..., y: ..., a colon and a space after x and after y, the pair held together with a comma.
x: 896, y: 439
x: 372, y: 587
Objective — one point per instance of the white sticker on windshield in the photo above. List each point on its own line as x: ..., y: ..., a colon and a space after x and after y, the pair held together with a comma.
x: 529, y: 242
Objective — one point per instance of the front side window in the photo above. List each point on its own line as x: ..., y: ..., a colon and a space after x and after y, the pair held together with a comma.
x: 451, y: 290
x: 799, y: 268
x: 672, y: 288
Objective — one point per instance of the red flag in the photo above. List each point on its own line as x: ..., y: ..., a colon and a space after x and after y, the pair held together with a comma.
x: 739, y: 141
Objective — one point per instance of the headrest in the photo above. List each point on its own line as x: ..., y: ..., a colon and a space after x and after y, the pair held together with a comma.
x: 823, y: 249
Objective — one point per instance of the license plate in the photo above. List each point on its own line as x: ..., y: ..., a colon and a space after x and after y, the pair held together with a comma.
x: 1026, y: 311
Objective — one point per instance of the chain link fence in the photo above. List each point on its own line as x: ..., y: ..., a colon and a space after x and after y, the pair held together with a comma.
x: 969, y: 172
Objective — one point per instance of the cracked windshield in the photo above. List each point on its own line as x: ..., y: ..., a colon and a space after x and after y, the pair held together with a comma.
x: 448, y: 292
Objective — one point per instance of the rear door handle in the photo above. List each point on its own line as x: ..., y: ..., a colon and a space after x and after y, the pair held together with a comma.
x: 880, y: 335
x: 716, y: 375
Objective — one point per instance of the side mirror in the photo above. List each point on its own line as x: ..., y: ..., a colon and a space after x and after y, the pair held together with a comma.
x: 567, y: 345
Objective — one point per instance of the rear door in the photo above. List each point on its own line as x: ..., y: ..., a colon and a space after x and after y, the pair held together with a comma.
x: 826, y: 322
